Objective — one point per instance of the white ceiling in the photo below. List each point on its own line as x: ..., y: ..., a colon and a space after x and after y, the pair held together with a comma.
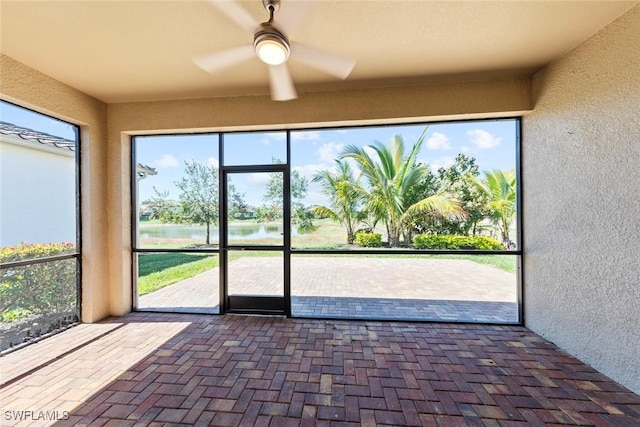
x: 124, y: 51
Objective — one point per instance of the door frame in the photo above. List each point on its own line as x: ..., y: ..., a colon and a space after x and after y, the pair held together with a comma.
x: 254, y: 304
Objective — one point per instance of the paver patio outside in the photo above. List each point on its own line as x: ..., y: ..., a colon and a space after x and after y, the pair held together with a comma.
x: 374, y: 288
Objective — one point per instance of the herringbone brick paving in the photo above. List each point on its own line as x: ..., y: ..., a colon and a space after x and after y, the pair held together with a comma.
x: 346, y: 287
x: 179, y: 369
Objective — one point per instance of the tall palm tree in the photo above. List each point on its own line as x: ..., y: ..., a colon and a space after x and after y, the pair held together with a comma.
x: 390, y: 174
x: 500, y: 189
x: 342, y: 189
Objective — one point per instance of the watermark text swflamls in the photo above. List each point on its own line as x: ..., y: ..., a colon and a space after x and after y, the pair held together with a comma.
x: 36, y: 415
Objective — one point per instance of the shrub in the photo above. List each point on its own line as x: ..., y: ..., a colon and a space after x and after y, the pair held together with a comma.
x: 34, y: 289
x: 26, y: 251
x: 487, y: 243
x: 368, y: 240
x: 431, y: 241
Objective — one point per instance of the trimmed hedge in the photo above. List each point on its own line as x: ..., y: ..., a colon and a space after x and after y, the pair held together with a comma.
x: 368, y: 240
x: 36, y: 289
x: 433, y: 241
x: 25, y: 251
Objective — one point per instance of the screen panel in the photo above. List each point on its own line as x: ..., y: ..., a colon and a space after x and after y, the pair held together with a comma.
x: 460, y: 288
x: 176, y: 188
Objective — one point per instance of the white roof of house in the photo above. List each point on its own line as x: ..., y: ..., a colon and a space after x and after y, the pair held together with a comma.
x: 45, y: 139
x: 55, y: 142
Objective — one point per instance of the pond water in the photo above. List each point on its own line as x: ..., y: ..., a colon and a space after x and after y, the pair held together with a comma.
x: 244, y: 231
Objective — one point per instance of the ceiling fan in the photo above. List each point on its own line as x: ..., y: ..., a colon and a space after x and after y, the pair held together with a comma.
x: 272, y: 46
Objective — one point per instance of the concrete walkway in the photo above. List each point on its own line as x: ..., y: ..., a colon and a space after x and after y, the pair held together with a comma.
x: 351, y: 287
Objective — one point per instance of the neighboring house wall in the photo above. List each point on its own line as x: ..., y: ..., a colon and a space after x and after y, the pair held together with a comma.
x: 37, y: 183
x: 581, y: 175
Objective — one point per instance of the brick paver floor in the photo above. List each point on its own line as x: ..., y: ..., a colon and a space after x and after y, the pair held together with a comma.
x: 186, y: 369
x: 365, y: 288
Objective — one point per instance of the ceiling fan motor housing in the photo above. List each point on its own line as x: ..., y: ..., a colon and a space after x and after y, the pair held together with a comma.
x: 271, y: 45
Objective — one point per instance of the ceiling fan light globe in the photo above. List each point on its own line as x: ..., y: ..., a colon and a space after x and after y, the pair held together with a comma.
x: 271, y: 46
x: 272, y: 52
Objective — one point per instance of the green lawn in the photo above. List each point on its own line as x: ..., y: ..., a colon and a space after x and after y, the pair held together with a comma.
x: 155, y: 271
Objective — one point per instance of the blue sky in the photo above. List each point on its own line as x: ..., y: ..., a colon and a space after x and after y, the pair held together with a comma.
x: 491, y: 142
x: 25, y: 118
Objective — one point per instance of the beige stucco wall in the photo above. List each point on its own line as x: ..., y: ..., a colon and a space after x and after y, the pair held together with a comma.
x: 581, y: 175
x: 456, y: 100
x: 32, y: 89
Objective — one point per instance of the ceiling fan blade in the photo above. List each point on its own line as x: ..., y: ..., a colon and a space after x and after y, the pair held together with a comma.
x: 336, y: 65
x: 282, y: 88
x: 238, y: 14
x: 226, y: 58
x: 290, y: 15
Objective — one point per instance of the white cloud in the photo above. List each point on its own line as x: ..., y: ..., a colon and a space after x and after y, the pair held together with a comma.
x: 305, y: 136
x: 483, y: 139
x: 442, y: 162
x: 309, y: 170
x: 258, y: 178
x: 269, y: 137
x: 212, y: 161
x: 329, y: 152
x: 167, y: 161
x: 277, y: 136
x: 438, y: 141
x: 465, y: 149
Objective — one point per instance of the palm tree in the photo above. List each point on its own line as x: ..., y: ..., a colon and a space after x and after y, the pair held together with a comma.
x: 390, y: 175
x: 342, y: 189
x: 500, y: 189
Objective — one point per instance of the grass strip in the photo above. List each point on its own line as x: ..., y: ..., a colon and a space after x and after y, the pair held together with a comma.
x: 156, y: 271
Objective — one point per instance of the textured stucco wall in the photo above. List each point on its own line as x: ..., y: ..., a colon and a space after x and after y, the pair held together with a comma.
x: 508, y: 97
x: 581, y: 177
x: 27, y: 87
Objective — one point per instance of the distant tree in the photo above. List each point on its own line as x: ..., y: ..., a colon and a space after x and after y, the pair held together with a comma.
x: 161, y: 208
x: 238, y: 208
x: 199, y: 195
x: 198, y: 200
x: 299, y: 187
x: 454, y: 180
x: 267, y: 213
x: 274, y: 196
x: 303, y: 217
